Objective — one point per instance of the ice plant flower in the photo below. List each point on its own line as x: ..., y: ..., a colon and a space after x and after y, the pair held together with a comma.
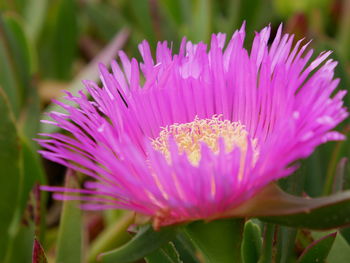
x: 197, y: 133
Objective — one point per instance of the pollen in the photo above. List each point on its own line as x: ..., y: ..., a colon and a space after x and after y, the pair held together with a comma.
x: 189, y: 137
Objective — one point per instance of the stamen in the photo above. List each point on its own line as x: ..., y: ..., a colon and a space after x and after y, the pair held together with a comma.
x: 189, y: 136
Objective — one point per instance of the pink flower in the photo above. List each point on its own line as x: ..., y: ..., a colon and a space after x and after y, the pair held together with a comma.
x: 199, y: 132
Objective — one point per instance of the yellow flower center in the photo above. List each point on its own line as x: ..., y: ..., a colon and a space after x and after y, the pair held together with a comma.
x: 189, y: 136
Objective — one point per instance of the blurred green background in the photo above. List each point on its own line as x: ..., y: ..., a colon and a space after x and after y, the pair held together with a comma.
x: 50, y: 45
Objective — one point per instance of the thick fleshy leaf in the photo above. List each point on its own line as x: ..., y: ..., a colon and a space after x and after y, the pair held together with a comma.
x: 252, y: 243
x: 345, y: 232
x: 166, y: 254
x: 31, y: 226
x: 285, y: 236
x: 70, y: 237
x: 38, y: 253
x: 340, y: 251
x: 10, y: 176
x: 21, y: 245
x: 219, y: 240
x: 31, y: 218
x: 32, y: 172
x: 29, y: 122
x: 313, y: 168
x: 89, y: 72
x: 185, y: 248
x: 318, y: 250
x: 285, y: 244
x: 275, y: 206
x: 58, y: 49
x: 19, y: 46
x: 267, y: 246
x: 21, y: 64
x: 145, y: 242
x: 340, y: 175
x: 8, y: 74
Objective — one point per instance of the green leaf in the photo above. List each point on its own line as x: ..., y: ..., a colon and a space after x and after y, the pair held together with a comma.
x: 166, y: 254
x: 231, y: 16
x: 318, y: 250
x: 145, y: 242
x: 201, y: 20
x: 256, y: 14
x: 32, y: 172
x: 314, y: 168
x: 59, y: 40
x: 345, y: 232
x: 334, y: 181
x: 21, y: 246
x: 90, y: 72
x: 185, y: 248
x: 267, y: 246
x: 29, y: 227
x: 64, y: 46
x: 285, y: 245
x: 8, y: 74
x: 275, y: 206
x: 343, y: 34
x: 10, y: 176
x: 19, y: 47
x: 252, y: 243
x: 142, y: 17
x: 17, y: 83
x: 21, y: 63
x: 29, y: 123
x: 340, y: 251
x: 173, y: 10
x: 219, y: 240
x: 285, y: 235
x: 70, y: 236
x: 34, y: 13
x: 286, y: 8
x: 29, y: 217
x: 38, y: 253
x: 105, y: 19
x: 340, y: 173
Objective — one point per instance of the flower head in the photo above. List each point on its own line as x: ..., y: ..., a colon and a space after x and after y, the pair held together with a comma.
x: 199, y: 132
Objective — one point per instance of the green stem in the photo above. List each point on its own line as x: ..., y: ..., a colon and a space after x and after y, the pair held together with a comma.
x: 218, y: 241
x: 112, y: 237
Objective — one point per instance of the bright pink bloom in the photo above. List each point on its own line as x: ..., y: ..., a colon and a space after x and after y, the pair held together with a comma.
x: 250, y: 116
